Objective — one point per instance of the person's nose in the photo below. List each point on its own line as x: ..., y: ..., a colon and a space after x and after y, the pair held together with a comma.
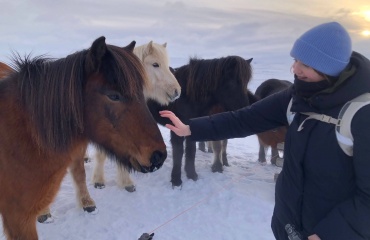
x: 296, y: 68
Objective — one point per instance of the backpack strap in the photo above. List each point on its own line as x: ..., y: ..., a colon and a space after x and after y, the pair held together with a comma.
x: 289, y: 114
x: 317, y: 116
x: 342, y: 124
x: 343, y: 128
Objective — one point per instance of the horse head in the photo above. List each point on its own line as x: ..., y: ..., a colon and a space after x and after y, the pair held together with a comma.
x: 232, y: 90
x: 116, y: 117
x: 162, y: 85
x: 220, y: 81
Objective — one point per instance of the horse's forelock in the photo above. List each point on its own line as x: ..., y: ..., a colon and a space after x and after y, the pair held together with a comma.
x: 243, y: 69
x: 158, y: 50
x: 205, y: 75
x: 128, y: 73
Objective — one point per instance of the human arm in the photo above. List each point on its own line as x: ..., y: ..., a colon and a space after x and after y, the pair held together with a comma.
x: 264, y: 115
x: 261, y: 116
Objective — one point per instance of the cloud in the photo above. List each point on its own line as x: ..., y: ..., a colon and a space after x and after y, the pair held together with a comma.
x: 202, y: 28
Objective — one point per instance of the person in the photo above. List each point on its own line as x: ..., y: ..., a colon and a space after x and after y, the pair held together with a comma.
x: 321, y: 193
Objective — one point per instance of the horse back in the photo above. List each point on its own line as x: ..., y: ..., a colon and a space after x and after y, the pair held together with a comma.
x: 270, y: 87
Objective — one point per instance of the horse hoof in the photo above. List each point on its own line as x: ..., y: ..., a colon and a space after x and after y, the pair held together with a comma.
x: 262, y: 161
x: 46, y: 218
x: 131, y: 188
x: 176, y: 183
x: 99, y: 185
x: 193, y: 177
x: 91, y: 209
x: 279, y: 162
x: 273, y: 161
x: 217, y: 168
x: 202, y: 149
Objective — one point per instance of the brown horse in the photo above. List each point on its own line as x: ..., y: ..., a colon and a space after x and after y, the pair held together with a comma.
x: 162, y: 87
x: 273, y: 137
x: 51, y: 109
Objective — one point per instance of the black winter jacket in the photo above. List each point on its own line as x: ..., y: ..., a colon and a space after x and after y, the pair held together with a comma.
x: 320, y: 190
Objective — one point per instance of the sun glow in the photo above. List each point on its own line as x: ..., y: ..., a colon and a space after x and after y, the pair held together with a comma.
x: 366, y: 15
x: 366, y: 33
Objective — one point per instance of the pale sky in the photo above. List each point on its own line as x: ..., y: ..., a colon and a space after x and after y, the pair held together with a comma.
x: 264, y: 29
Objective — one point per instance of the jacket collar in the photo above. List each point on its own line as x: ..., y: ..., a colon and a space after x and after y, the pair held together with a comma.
x: 352, y: 82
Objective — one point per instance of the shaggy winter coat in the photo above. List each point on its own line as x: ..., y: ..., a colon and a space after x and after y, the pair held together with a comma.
x: 320, y: 190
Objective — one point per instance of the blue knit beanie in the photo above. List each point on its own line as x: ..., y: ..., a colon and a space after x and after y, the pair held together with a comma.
x: 326, y: 48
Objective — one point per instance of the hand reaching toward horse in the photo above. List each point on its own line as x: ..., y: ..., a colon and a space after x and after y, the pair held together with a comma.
x: 178, y: 127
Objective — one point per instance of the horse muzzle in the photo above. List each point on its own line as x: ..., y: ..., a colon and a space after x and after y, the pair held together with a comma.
x: 156, y: 160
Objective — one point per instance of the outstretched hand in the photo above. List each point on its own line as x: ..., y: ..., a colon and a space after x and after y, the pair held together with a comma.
x: 178, y: 127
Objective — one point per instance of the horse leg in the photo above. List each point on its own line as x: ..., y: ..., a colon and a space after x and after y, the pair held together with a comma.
x: 78, y: 173
x: 262, y: 152
x: 225, y: 162
x: 202, y: 146
x: 98, y: 174
x: 209, y: 145
x: 17, y: 225
x: 45, y: 216
x: 274, y: 155
x: 190, y: 149
x: 177, y: 153
x: 124, y: 180
x: 217, y: 164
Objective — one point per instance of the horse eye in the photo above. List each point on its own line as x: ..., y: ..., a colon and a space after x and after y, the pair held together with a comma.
x: 113, y: 97
x: 155, y: 65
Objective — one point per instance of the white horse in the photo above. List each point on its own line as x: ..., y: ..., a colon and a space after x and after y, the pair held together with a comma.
x: 163, y: 88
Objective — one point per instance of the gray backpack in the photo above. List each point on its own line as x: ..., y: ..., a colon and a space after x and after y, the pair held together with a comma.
x: 342, y: 124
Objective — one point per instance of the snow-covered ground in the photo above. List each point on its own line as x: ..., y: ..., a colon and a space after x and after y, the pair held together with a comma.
x: 234, y: 205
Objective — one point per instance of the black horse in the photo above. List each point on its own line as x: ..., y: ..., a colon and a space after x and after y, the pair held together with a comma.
x: 208, y: 86
x: 273, y: 137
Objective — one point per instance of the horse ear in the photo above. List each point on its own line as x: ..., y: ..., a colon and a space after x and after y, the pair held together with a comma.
x: 97, y: 51
x: 131, y: 46
x: 164, y: 44
x: 149, y: 49
x: 250, y: 60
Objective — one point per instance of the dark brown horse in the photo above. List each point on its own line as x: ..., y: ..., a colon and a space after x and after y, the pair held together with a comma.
x: 273, y: 137
x: 208, y: 86
x: 51, y: 109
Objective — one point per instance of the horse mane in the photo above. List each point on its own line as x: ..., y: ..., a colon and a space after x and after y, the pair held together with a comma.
x: 51, y: 90
x: 206, y: 75
x: 146, y: 49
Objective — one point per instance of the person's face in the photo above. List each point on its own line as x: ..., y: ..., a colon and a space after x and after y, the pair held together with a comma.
x: 306, y: 73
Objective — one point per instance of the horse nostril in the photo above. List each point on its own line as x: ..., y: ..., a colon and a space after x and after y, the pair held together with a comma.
x: 157, y: 159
